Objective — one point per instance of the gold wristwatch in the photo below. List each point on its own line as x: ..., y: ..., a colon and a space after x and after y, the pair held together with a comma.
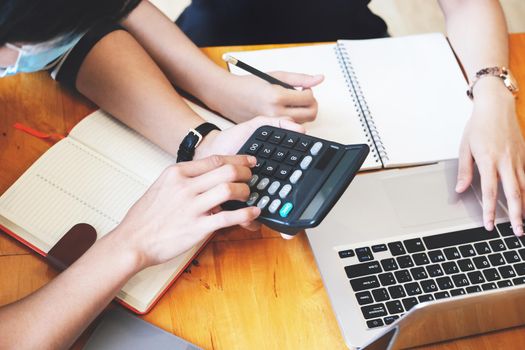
x: 500, y: 72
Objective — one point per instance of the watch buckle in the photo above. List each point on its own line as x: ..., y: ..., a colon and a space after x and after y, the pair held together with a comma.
x: 199, y: 136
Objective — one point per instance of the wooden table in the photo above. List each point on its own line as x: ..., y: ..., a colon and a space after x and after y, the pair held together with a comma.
x: 249, y: 291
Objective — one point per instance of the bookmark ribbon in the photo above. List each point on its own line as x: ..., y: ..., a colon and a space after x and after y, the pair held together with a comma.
x: 53, y: 137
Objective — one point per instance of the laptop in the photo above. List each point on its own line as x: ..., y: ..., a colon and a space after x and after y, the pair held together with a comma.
x: 406, y: 261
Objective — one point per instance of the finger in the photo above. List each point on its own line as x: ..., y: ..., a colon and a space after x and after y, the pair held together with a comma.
x: 294, y: 98
x: 231, y: 218
x: 220, y: 194
x: 201, y: 166
x: 281, y: 122
x: 251, y: 226
x: 301, y: 114
x: 520, y: 174
x: 489, y: 191
x: 512, y: 192
x: 225, y: 174
x: 299, y: 79
x: 465, y: 168
x: 285, y: 236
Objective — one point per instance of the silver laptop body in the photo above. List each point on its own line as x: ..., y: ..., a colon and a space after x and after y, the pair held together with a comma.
x: 396, y: 206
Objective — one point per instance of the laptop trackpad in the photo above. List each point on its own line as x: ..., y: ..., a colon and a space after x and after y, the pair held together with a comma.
x: 428, y: 197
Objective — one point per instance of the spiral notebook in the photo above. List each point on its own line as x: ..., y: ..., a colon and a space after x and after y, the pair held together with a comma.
x: 405, y: 96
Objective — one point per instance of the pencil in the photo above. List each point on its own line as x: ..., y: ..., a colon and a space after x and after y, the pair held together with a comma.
x: 256, y: 72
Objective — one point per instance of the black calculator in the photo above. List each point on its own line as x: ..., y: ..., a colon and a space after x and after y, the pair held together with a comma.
x: 298, y: 178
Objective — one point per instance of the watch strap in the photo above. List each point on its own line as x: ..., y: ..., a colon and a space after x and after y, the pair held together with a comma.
x: 192, y: 140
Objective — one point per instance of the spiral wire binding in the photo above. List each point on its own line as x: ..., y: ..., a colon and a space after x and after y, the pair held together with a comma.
x: 377, y: 147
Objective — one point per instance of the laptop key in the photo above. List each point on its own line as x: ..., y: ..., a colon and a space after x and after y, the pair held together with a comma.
x: 373, y: 311
x: 459, y: 237
x: 452, y: 253
x: 482, y: 248
x: 436, y: 256
x: 511, y: 257
x: 420, y: 259
x: 364, y: 298
x: 505, y: 229
x: 418, y: 273
x: 346, y: 253
x: 425, y: 297
x: 403, y: 276
x: 496, y: 259
x: 522, y: 253
x: 507, y: 271
x: 386, y: 279
x: 435, y: 270
x: 364, y: 283
x: 491, y: 275
x: 473, y: 289
x: 467, y: 250
x: 413, y: 288
x: 396, y: 248
x: 512, y: 242
x: 394, y: 307
x: 497, y: 245
x: 441, y: 295
x: 396, y: 292
x: 450, y: 267
x: 405, y: 261
x: 429, y: 286
x: 465, y: 265
x: 390, y: 319
x: 389, y: 264
x: 409, y: 303
x: 504, y: 284
x: 375, y: 323
x: 444, y: 283
x: 414, y: 245
x: 489, y: 286
x: 380, y: 295
x: 379, y: 248
x: 481, y: 262
x: 456, y: 292
x: 518, y: 281
x: 520, y: 269
x: 460, y: 280
x: 364, y: 254
x: 364, y: 269
x: 475, y: 277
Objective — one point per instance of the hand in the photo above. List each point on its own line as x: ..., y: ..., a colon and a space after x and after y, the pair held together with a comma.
x: 244, y: 97
x: 182, y: 207
x: 493, y: 139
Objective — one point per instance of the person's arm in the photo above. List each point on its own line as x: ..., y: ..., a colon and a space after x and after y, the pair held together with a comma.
x: 239, y: 98
x: 175, y: 213
x: 492, y: 139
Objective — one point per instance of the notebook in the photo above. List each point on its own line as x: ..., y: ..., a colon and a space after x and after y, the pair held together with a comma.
x: 93, y: 176
x: 405, y: 96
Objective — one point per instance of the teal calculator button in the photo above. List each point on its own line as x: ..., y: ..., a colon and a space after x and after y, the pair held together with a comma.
x: 286, y: 209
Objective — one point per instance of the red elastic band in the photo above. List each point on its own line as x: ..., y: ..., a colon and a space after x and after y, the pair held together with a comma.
x: 39, y: 134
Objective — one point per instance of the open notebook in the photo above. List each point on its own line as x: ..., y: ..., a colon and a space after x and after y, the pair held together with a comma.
x: 93, y: 176
x: 405, y: 97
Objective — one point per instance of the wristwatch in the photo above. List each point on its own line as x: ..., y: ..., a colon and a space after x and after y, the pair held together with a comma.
x: 501, y: 72
x: 192, y: 140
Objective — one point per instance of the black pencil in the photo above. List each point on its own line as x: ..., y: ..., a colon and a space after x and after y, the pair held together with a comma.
x: 256, y: 72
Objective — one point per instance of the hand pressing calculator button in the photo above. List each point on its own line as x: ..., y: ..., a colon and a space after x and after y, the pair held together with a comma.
x: 298, y: 178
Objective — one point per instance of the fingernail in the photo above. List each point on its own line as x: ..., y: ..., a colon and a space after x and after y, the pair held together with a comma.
x: 252, y: 160
x: 459, y: 185
x: 518, y: 230
x: 489, y: 225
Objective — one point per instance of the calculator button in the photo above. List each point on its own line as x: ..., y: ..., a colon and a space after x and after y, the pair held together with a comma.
x: 276, y: 203
x: 266, y: 151
x: 264, y: 182
x: 316, y: 148
x: 296, y: 175
x: 290, y: 141
x: 254, y: 147
x: 303, y: 145
x: 259, y: 164
x: 305, y: 163
x: 286, y: 209
x: 285, y: 191
x: 277, y: 137
x: 263, y: 202
x: 269, y: 168
x: 293, y: 158
x: 274, y: 187
x: 263, y: 135
x: 279, y: 155
x: 253, y: 198
x: 253, y: 180
x: 283, y: 172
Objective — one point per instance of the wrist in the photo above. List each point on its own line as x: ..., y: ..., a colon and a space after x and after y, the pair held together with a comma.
x: 125, y: 251
x: 205, y: 148
x: 491, y: 87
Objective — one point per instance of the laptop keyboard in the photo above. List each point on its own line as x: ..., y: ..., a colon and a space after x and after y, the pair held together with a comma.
x: 391, y: 278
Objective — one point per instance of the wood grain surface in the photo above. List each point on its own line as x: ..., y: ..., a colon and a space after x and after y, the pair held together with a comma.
x: 248, y: 291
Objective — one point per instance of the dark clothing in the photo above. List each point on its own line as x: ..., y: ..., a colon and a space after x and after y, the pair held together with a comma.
x: 243, y: 22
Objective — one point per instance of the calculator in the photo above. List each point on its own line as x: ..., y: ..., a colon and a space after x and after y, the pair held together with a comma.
x: 298, y: 178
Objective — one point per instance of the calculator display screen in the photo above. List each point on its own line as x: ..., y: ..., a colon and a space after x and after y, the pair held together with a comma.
x: 325, y: 192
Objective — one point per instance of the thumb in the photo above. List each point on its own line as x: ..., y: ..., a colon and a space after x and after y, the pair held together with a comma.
x: 465, y: 168
x: 298, y: 79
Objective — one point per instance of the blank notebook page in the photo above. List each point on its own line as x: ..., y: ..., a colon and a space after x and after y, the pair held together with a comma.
x: 416, y: 94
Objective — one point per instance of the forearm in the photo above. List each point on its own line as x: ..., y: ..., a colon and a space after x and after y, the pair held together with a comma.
x: 54, y: 316
x: 183, y: 63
